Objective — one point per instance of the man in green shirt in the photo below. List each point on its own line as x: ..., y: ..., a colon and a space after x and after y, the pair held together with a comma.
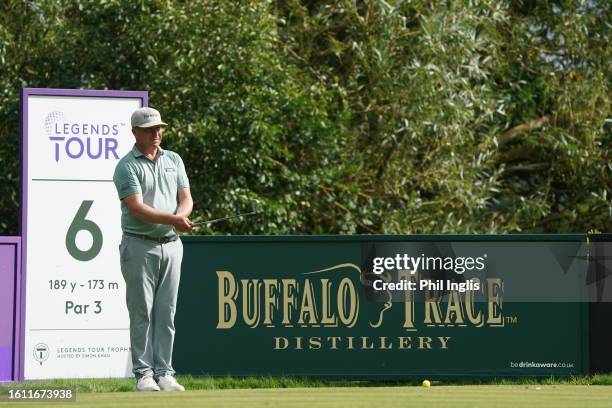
x: 155, y: 204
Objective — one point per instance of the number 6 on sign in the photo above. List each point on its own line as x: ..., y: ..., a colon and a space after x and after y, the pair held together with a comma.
x: 79, y: 223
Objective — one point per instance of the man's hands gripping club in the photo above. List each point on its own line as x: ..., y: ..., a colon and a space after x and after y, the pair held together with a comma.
x: 146, y: 213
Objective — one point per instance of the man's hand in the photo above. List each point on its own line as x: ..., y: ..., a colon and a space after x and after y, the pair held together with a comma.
x: 149, y: 214
x: 182, y: 224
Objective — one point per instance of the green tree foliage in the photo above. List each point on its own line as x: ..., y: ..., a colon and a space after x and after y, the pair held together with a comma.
x: 345, y: 116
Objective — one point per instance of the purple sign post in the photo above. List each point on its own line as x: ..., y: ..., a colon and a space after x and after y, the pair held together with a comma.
x: 10, y: 262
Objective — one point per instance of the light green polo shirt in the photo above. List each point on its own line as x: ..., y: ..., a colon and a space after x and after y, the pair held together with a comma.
x: 157, y: 180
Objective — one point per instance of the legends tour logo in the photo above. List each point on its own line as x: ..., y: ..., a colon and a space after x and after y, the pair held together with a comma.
x: 74, y: 140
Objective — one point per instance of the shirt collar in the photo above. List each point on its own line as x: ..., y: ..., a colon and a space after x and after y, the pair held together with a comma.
x: 137, y: 153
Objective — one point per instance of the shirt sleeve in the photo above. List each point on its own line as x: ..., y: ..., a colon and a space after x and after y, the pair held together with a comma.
x: 182, y: 179
x: 126, y: 181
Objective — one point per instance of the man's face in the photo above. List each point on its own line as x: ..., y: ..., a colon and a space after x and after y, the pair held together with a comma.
x: 148, y: 137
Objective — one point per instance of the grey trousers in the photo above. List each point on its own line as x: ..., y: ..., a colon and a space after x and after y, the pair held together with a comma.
x: 151, y: 272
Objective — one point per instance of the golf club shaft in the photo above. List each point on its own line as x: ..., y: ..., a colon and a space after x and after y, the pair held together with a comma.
x: 196, y: 224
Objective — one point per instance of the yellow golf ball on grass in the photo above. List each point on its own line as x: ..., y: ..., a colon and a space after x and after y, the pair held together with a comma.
x: 426, y: 384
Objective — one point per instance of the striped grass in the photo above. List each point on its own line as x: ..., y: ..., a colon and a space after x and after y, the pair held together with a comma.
x: 222, y: 383
x: 452, y: 396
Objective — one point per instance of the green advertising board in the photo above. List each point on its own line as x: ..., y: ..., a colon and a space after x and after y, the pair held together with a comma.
x: 306, y: 306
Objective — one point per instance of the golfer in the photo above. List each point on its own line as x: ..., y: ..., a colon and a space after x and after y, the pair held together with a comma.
x: 155, y: 203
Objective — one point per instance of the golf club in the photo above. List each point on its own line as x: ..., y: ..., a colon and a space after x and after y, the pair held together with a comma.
x: 216, y: 220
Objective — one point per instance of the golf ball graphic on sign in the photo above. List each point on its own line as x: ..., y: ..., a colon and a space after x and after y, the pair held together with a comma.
x: 51, y: 119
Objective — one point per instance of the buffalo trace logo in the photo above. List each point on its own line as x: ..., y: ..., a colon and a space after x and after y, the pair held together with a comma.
x: 75, y: 140
x: 317, y: 300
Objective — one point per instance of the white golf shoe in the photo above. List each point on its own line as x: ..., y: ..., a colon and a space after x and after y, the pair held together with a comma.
x: 168, y: 383
x: 147, y: 383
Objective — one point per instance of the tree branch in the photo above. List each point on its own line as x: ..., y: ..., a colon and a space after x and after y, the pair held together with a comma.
x: 508, y: 135
x: 530, y: 168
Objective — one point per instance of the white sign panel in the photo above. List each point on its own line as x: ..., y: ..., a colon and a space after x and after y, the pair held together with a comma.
x: 76, y: 321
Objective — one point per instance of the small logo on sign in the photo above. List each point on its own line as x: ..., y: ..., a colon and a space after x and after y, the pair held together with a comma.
x: 41, y: 352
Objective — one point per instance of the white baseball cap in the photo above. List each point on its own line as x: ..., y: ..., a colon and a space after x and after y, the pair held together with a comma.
x: 146, y: 117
